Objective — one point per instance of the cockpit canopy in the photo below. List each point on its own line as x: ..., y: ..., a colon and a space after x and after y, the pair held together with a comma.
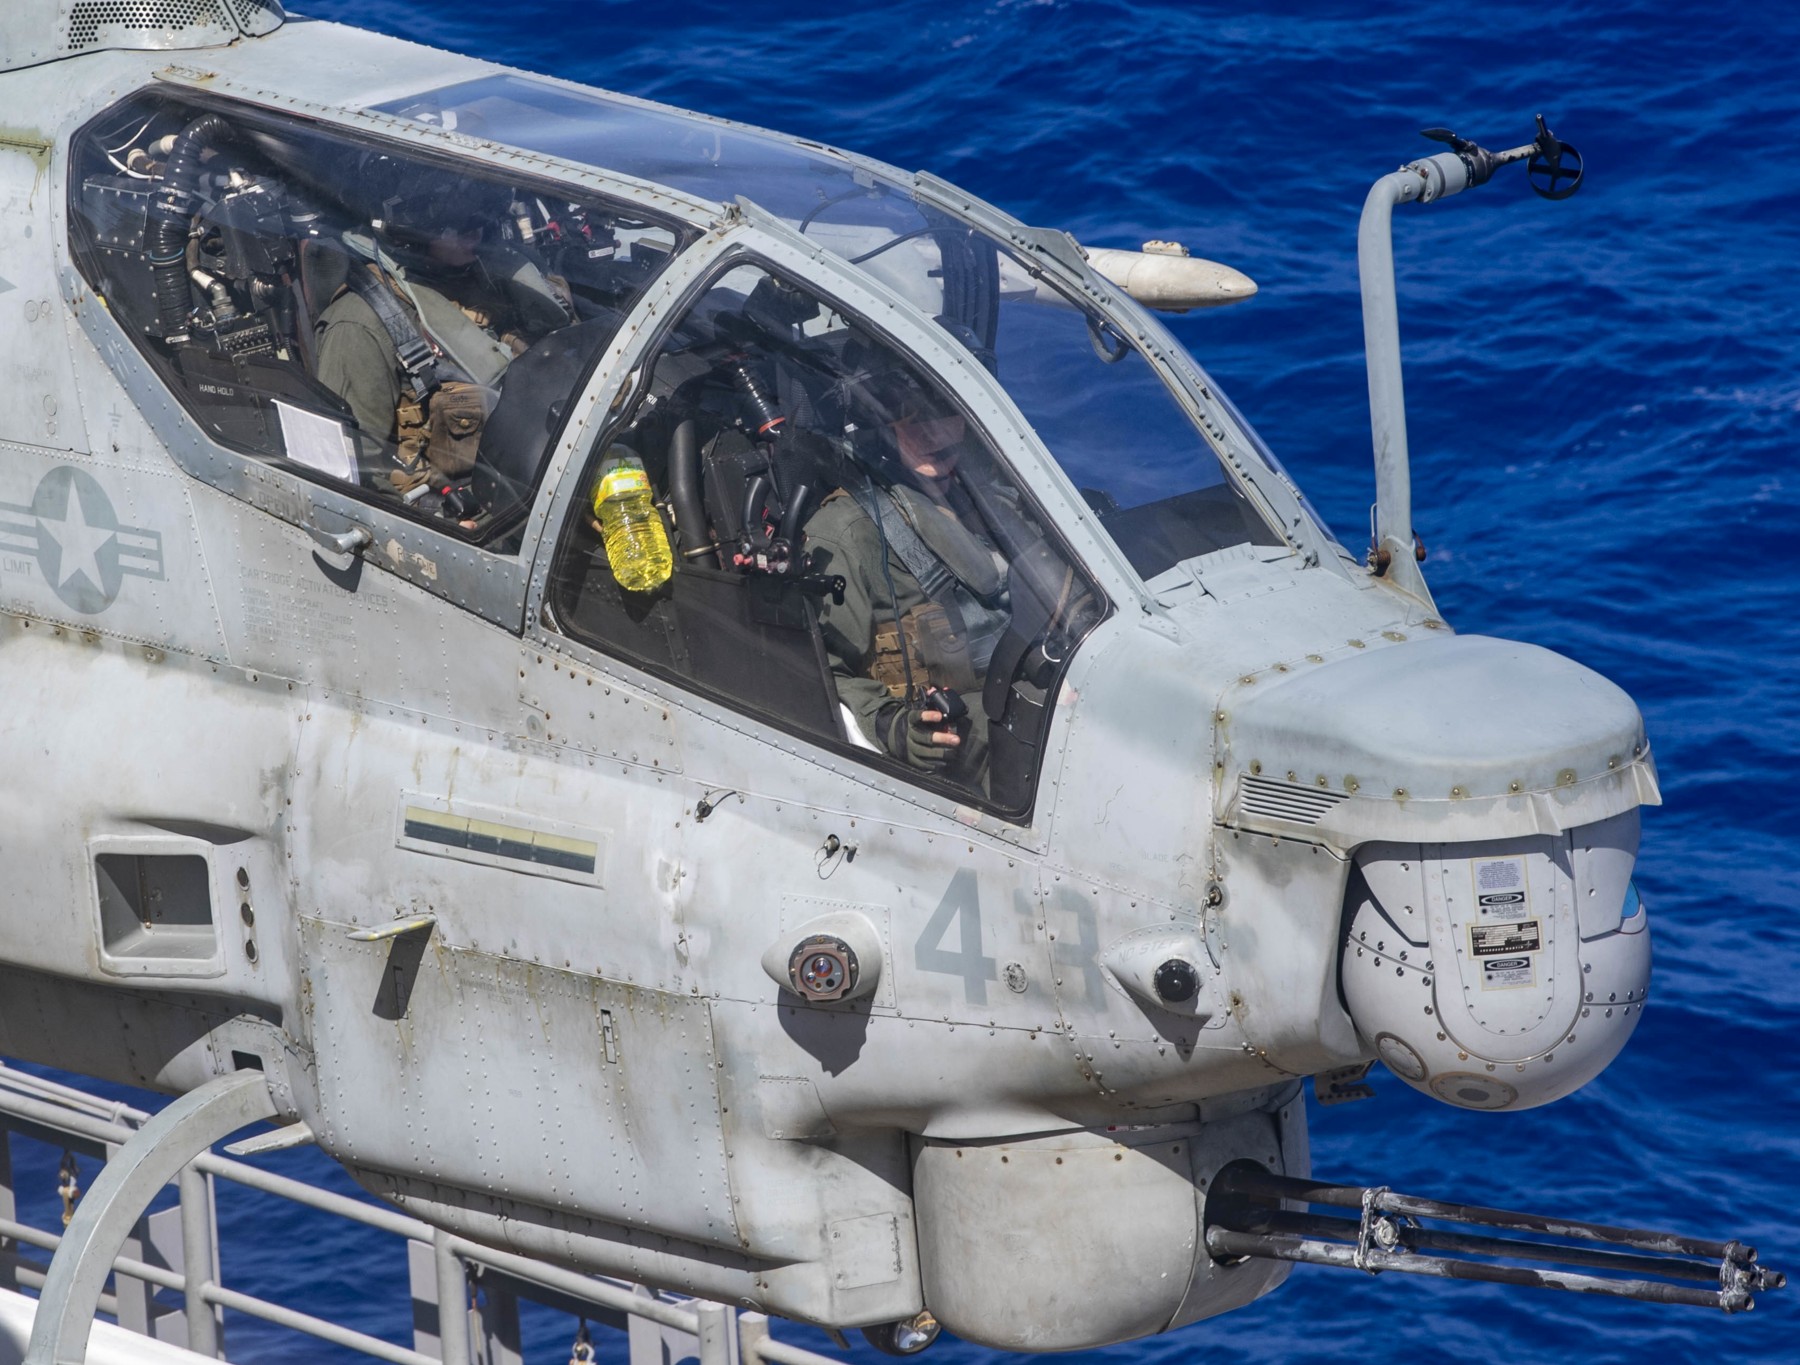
x: 1078, y: 377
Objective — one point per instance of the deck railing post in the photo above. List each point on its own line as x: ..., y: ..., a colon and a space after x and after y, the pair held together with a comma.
x: 198, y: 1257
x: 453, y: 1301
x: 753, y: 1331
x: 9, y: 1263
x: 498, y: 1312
x: 715, y: 1332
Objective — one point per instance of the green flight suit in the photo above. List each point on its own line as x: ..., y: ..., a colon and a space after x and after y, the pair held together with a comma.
x: 356, y: 356
x: 842, y: 539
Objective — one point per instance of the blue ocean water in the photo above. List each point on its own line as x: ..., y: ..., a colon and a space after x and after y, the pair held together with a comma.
x: 1604, y: 399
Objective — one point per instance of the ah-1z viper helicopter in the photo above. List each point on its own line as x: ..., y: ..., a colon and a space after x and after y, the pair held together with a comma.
x: 726, y: 924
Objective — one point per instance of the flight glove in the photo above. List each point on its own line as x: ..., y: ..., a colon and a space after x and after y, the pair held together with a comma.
x: 907, y: 735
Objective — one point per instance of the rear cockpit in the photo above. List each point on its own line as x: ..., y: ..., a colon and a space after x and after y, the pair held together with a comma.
x: 273, y: 271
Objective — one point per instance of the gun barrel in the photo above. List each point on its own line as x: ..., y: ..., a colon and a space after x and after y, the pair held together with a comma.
x: 1252, y: 1213
x: 1223, y: 1242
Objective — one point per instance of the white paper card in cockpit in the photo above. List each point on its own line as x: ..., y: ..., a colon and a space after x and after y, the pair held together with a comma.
x: 317, y: 442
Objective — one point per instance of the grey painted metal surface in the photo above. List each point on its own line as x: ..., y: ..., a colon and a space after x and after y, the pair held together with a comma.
x: 490, y: 904
x: 444, y: 1269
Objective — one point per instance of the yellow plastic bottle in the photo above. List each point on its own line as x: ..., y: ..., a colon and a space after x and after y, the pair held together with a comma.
x: 637, y: 546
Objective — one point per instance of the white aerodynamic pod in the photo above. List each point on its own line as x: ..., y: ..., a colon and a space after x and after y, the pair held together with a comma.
x: 1498, y: 975
x: 1163, y: 276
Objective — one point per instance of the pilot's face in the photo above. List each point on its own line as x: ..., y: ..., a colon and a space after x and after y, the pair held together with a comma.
x: 455, y: 246
x: 929, y: 446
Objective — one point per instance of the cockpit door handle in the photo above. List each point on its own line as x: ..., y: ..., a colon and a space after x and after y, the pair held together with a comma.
x: 351, y: 542
x: 395, y: 929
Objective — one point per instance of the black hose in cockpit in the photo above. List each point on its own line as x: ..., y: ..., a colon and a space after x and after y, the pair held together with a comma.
x: 170, y: 219
x: 684, y: 494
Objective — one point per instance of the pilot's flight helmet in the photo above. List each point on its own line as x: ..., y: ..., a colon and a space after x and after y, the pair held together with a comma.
x: 412, y: 202
x: 877, y: 399
x: 921, y: 432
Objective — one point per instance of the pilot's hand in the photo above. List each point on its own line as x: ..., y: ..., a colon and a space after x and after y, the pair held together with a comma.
x: 918, y: 735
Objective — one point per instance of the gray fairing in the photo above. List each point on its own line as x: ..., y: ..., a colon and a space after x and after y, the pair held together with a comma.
x: 32, y: 32
x: 1448, y: 737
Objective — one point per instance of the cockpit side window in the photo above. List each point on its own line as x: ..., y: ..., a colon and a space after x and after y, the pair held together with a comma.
x: 796, y: 519
x: 387, y: 323
x: 1151, y: 476
x: 1132, y: 453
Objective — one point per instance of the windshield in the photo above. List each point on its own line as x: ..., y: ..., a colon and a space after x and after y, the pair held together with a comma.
x: 1141, y: 464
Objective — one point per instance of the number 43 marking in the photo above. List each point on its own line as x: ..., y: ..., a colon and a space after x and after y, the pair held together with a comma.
x: 962, y: 902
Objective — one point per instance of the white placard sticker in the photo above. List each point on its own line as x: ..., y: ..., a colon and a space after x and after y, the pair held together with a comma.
x: 1508, y: 973
x: 1500, y: 887
x: 1505, y: 940
x: 317, y: 442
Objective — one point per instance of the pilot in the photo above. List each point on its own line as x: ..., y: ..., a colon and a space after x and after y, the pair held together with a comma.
x: 924, y: 593
x: 430, y: 285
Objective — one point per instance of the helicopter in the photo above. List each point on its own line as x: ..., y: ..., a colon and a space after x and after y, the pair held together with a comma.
x: 650, y: 891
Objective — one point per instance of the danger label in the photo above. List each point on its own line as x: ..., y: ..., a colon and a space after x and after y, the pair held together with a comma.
x: 1508, y: 973
x: 1505, y: 940
x: 1500, y: 887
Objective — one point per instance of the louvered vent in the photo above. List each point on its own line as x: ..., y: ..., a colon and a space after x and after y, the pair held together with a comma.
x: 87, y: 18
x: 1272, y: 800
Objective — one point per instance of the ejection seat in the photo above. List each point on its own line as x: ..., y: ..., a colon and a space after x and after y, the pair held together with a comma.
x: 324, y: 267
x: 535, y: 392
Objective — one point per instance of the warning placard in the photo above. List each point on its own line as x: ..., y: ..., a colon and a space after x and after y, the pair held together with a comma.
x: 1508, y: 973
x: 1499, y: 887
x: 1505, y: 940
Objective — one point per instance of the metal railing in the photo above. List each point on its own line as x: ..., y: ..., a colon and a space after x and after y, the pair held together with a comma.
x: 662, y: 1329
